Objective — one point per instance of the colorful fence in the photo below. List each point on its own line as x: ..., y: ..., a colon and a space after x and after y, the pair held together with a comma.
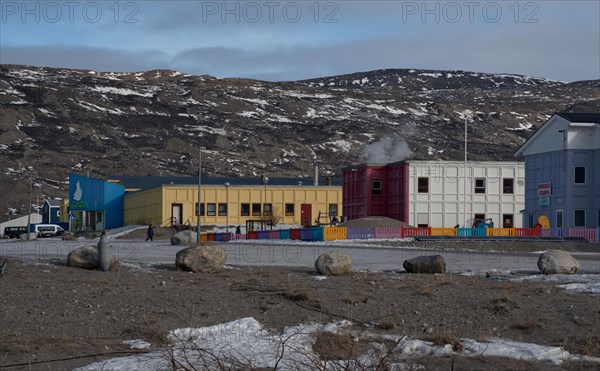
x: 366, y: 233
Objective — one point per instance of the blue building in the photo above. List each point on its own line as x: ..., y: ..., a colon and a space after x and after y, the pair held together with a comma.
x: 96, y: 204
x: 51, y: 212
x: 562, y: 172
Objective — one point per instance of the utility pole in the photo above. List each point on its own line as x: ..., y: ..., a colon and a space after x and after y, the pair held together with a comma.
x: 29, y: 207
x: 199, y: 187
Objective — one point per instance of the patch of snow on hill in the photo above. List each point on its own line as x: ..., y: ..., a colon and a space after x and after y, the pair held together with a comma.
x: 120, y: 91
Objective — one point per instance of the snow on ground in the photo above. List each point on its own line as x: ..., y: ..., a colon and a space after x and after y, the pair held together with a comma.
x: 245, y: 343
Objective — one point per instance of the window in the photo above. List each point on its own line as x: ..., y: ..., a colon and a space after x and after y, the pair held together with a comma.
x: 222, y: 209
x: 508, y: 185
x: 245, y: 210
x: 255, y: 209
x: 202, y: 211
x: 479, y: 185
x: 507, y: 220
x: 333, y: 210
x: 268, y: 208
x: 530, y: 220
x: 376, y: 188
x: 289, y: 209
x: 559, y: 219
x: 579, y: 174
x: 423, y: 185
x: 579, y: 218
x: 211, y: 209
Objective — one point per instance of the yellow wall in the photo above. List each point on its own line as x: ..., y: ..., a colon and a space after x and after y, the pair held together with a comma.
x: 144, y: 207
x: 155, y: 206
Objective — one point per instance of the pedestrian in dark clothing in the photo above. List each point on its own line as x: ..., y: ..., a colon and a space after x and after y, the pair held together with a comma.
x: 150, y: 233
x: 238, y: 230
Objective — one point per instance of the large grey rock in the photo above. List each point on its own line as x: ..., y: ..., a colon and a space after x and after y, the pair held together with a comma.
x: 86, y: 257
x: 557, y: 262
x: 425, y: 264
x: 333, y: 264
x: 184, y: 238
x: 204, y: 259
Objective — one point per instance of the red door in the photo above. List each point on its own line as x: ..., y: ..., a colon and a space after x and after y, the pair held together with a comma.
x: 306, y: 214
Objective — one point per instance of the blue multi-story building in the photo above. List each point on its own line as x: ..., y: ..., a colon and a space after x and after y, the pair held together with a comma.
x: 562, y: 172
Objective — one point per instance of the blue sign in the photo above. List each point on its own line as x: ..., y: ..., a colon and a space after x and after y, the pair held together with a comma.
x: 71, y: 217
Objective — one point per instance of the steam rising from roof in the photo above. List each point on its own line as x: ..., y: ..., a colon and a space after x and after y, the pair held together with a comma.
x: 387, y: 150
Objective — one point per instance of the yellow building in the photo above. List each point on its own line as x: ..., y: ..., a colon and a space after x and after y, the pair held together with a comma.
x: 171, y: 204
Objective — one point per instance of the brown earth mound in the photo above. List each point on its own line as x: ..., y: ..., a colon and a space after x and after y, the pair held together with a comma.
x: 374, y: 221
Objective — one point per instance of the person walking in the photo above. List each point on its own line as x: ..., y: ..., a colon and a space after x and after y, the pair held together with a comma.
x: 150, y: 233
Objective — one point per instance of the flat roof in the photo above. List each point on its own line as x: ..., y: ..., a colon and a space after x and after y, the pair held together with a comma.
x: 149, y: 182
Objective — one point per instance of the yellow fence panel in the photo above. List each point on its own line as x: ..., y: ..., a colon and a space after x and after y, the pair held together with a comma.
x: 443, y: 231
x: 334, y: 233
x: 500, y: 231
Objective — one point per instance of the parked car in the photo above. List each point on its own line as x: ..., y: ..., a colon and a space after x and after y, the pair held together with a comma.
x: 14, y: 232
x: 48, y: 230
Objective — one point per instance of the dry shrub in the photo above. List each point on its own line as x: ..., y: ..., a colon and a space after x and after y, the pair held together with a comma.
x: 297, y: 295
x: 337, y: 346
x: 387, y: 325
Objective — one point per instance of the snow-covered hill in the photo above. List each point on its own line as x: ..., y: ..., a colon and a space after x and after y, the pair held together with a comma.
x: 58, y: 120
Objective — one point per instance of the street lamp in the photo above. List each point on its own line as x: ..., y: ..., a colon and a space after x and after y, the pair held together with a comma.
x: 199, y: 187
x: 29, y: 208
x: 465, y: 185
x: 227, y: 206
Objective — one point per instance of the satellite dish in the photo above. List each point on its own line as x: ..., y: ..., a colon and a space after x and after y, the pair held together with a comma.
x: 520, y: 182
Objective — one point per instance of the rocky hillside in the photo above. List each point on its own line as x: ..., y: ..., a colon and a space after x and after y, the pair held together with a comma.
x: 54, y: 121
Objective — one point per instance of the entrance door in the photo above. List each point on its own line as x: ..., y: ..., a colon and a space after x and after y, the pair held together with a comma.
x: 306, y: 214
x: 507, y: 221
x: 176, y: 214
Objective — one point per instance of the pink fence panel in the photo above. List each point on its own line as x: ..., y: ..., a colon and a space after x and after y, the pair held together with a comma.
x: 388, y: 232
x: 590, y: 234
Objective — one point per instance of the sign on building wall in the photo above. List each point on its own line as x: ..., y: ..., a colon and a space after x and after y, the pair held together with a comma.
x: 544, y: 189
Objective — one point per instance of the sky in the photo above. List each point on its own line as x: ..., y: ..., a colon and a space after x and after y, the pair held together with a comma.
x: 291, y: 40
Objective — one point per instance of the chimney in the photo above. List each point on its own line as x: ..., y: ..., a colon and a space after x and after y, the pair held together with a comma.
x: 316, y: 180
x: 328, y: 181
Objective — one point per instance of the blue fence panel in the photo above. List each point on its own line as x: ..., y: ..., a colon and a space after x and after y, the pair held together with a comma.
x: 472, y: 232
x: 360, y: 233
x: 318, y: 234
x: 262, y: 235
x: 284, y: 234
x: 306, y: 234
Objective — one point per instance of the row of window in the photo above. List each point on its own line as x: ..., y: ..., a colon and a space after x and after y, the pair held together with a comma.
x: 508, y: 186
x: 247, y: 209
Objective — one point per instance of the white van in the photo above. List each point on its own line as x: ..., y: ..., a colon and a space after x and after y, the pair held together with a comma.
x: 48, y: 230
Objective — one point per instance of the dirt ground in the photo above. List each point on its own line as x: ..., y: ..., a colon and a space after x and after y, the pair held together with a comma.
x: 54, y: 317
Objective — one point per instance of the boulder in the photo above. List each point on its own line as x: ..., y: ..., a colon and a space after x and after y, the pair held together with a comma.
x: 425, y: 264
x: 68, y: 236
x: 204, y: 259
x: 184, y: 238
x: 333, y: 264
x: 86, y: 257
x: 557, y: 262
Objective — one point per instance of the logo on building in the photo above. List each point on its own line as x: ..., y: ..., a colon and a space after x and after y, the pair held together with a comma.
x: 77, y: 195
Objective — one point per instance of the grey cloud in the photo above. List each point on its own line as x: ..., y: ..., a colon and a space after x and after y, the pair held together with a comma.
x: 81, y: 57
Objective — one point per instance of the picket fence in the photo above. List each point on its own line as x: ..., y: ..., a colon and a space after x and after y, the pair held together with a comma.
x: 367, y: 233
